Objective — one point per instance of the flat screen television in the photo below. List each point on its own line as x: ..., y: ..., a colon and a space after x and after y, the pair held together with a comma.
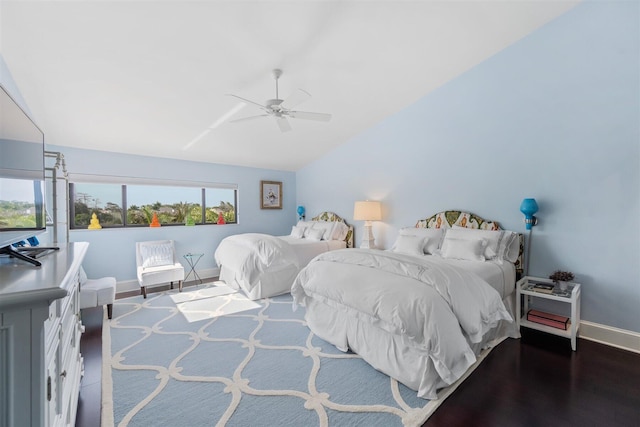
x: 22, y: 190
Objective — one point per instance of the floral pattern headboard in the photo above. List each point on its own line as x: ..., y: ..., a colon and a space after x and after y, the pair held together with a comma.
x: 448, y: 219
x: 331, y: 217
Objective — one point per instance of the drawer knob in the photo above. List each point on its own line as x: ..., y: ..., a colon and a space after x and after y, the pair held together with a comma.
x: 63, y: 374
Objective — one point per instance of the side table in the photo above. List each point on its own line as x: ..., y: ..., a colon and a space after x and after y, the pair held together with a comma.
x: 525, y: 291
x: 192, y: 261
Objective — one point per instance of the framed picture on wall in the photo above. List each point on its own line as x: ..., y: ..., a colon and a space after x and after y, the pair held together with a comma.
x: 270, y: 195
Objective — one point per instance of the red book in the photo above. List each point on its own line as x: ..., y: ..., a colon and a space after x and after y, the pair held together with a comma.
x: 549, y: 319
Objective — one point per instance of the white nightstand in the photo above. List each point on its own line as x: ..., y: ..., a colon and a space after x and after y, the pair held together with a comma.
x: 524, y: 288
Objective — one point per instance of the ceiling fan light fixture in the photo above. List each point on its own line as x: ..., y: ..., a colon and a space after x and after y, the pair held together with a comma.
x: 281, y: 109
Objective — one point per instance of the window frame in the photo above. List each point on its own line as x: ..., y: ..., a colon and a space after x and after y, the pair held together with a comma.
x: 124, y: 182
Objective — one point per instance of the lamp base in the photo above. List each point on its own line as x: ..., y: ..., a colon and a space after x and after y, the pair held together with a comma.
x: 368, y: 241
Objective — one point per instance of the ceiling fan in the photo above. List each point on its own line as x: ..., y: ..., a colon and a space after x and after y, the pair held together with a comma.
x: 281, y: 110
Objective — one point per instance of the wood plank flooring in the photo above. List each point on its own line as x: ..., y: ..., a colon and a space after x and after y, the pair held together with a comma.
x: 534, y: 381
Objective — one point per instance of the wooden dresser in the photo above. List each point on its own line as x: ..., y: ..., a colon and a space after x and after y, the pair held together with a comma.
x: 40, y: 361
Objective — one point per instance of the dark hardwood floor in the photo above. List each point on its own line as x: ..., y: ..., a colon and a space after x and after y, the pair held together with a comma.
x: 534, y: 381
x: 539, y: 381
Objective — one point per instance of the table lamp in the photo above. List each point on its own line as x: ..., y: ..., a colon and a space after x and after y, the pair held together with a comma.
x: 367, y: 211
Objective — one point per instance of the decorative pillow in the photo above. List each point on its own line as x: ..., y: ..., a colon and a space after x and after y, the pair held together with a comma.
x: 340, y: 231
x: 156, y: 255
x: 493, y: 238
x: 412, y: 245
x: 297, y: 232
x: 433, y: 237
x: 315, y: 234
x: 471, y: 250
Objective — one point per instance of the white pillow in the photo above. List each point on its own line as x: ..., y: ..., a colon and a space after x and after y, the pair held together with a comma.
x: 326, y: 227
x: 156, y: 255
x: 306, y: 225
x: 297, y: 232
x: 510, y: 248
x: 315, y: 234
x: 471, y: 250
x: 493, y: 238
x: 412, y: 245
x: 433, y: 237
x: 340, y: 231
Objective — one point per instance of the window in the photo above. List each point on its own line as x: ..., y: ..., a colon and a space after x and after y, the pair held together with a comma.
x: 133, y: 205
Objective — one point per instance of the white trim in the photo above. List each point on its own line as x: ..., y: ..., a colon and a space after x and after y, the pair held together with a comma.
x: 133, y: 285
x: 131, y: 180
x: 615, y: 337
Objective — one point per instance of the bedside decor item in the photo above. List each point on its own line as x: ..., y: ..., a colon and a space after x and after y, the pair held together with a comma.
x: 270, y: 195
x: 367, y: 211
x: 561, y: 278
x: 300, y: 213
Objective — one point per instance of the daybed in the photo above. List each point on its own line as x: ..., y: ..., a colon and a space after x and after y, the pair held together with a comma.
x: 421, y: 311
x: 262, y: 265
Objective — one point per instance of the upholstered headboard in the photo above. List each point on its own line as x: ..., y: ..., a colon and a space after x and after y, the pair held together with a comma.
x: 331, y: 217
x: 448, y: 219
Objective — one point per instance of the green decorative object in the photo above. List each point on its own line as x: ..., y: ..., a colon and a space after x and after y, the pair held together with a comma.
x: 189, y: 220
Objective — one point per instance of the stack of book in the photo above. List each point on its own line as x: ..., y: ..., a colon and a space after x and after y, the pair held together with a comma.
x: 549, y: 319
x: 545, y: 288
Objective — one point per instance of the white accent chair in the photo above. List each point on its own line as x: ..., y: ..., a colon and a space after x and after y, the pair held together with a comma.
x: 96, y: 292
x: 156, y: 264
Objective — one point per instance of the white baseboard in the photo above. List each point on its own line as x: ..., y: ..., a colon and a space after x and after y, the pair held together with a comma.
x: 133, y: 285
x: 620, y: 338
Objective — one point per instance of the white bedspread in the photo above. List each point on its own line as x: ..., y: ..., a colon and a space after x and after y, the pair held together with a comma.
x: 439, y: 307
x: 263, y: 265
x: 250, y: 254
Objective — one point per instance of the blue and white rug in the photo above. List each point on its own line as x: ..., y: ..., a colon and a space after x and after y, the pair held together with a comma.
x: 210, y: 357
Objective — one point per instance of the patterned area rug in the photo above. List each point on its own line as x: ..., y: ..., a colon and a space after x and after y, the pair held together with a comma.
x: 209, y: 356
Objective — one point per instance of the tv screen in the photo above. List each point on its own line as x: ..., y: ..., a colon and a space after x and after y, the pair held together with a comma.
x: 22, y: 210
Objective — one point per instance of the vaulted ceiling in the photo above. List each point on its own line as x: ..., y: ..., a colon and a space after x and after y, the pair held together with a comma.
x: 152, y: 77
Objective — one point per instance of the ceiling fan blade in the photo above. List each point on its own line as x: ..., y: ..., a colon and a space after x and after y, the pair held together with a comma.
x: 250, y: 102
x: 297, y: 98
x: 321, y: 117
x: 244, y: 119
x: 283, y: 124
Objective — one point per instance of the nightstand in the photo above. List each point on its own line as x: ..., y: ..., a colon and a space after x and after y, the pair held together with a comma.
x: 525, y: 290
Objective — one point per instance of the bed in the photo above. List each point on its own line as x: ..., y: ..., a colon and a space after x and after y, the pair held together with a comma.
x: 423, y: 310
x: 262, y: 265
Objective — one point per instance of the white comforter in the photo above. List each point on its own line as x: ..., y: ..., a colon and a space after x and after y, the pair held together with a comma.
x: 251, y: 254
x: 440, y: 308
x: 263, y: 265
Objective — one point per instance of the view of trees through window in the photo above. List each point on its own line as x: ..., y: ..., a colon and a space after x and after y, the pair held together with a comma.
x: 172, y: 205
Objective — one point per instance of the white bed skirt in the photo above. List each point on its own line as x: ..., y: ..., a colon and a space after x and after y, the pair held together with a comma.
x: 388, y: 353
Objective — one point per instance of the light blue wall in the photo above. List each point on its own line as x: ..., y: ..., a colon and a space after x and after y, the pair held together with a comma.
x: 112, y: 251
x: 554, y: 116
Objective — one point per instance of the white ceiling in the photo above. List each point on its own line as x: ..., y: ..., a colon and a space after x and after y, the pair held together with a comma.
x: 149, y: 77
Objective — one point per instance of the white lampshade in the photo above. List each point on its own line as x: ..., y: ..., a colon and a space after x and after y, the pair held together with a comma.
x: 367, y: 211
